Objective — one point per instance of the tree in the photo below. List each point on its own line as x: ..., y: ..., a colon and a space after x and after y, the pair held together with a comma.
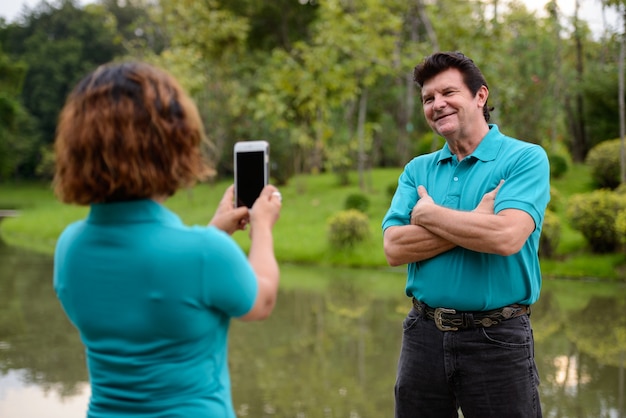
x: 620, y: 5
x: 17, y: 139
x: 59, y: 45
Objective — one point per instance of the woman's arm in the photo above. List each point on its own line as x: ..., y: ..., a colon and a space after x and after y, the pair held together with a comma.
x: 263, y: 215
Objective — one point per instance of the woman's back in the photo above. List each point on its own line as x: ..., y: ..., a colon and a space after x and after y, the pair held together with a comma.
x: 152, y: 300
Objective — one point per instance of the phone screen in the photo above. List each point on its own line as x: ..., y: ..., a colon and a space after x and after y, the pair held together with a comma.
x: 250, y: 176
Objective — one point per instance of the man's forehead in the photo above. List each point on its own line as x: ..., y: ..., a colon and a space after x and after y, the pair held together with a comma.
x: 447, y: 79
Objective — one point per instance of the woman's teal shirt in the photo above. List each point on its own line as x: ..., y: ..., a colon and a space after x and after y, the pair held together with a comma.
x: 152, y: 300
x: 464, y: 279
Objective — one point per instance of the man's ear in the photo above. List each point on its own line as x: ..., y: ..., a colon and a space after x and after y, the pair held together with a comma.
x: 482, y: 95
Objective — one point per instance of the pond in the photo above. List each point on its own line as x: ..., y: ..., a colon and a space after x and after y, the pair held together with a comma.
x: 329, y: 350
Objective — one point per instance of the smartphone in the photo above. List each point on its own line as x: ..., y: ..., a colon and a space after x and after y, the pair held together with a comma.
x: 251, y: 170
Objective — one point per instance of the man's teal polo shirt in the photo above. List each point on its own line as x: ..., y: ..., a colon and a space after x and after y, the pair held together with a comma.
x: 463, y: 279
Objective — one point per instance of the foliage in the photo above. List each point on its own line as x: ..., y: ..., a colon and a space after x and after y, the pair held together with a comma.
x: 594, y: 215
x: 601, y: 100
x: 558, y: 165
x: 17, y: 133
x: 328, y: 82
x: 347, y: 228
x: 620, y: 226
x: 275, y: 24
x: 59, y: 46
x: 604, y: 161
x: 556, y: 198
x: 358, y: 201
x: 550, y: 235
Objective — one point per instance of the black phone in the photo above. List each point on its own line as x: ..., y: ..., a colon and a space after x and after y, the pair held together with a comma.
x: 251, y: 170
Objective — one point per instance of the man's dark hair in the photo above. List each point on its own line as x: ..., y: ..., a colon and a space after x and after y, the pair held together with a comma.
x: 441, y: 61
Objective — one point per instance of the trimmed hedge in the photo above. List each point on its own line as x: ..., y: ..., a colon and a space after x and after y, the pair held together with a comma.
x: 604, y: 162
x: 594, y: 215
x: 347, y: 228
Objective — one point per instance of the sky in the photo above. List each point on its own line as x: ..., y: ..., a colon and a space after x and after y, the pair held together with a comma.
x: 591, y: 11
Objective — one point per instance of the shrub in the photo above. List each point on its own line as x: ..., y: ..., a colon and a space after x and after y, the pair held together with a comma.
x: 558, y: 165
x: 620, y: 226
x: 357, y: 201
x: 621, y: 189
x: 348, y: 227
x: 594, y: 215
x: 604, y: 162
x: 555, y: 199
x: 550, y: 235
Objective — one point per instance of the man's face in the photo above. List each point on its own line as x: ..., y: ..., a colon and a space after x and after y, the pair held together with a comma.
x: 449, y: 107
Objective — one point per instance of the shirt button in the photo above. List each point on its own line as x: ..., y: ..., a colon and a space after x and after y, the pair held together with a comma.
x: 456, y: 179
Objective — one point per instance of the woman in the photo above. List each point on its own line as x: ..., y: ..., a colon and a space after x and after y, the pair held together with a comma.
x: 151, y: 297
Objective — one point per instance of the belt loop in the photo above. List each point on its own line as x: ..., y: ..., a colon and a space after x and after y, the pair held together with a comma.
x: 468, y: 320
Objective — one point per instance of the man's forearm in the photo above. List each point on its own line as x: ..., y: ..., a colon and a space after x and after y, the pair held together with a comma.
x: 502, y: 234
x: 411, y: 243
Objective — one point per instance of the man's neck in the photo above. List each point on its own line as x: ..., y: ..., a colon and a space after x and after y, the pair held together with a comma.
x: 463, y: 146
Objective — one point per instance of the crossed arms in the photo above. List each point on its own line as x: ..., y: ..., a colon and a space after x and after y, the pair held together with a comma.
x: 436, y: 229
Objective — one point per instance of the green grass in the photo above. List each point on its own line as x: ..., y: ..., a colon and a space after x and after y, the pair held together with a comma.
x: 300, y: 234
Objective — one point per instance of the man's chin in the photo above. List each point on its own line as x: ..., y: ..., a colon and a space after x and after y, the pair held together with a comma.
x: 445, y: 129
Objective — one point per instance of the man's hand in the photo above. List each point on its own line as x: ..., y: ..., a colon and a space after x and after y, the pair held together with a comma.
x: 422, y: 204
x: 486, y: 204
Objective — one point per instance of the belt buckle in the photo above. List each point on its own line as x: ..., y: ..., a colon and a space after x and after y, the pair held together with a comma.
x: 439, y: 319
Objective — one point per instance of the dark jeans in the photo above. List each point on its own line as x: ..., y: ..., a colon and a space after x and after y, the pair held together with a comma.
x: 486, y: 372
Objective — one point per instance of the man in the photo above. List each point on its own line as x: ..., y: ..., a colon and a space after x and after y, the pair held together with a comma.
x: 467, y: 219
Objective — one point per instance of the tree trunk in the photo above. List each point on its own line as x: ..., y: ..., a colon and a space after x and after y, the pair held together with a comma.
x: 361, y: 138
x: 406, y: 105
x: 620, y: 92
x: 432, y: 35
x: 555, y: 15
x: 579, y: 140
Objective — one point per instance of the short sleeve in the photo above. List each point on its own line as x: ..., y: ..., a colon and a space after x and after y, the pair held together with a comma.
x: 404, y: 199
x: 527, y: 185
x: 230, y: 282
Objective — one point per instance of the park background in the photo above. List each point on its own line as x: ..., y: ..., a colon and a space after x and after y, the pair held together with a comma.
x: 328, y: 84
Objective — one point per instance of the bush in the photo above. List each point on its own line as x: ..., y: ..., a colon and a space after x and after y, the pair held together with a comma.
x: 594, y: 215
x: 555, y: 199
x: 558, y: 165
x: 621, y: 189
x: 357, y: 201
x: 550, y: 234
x: 620, y: 226
x: 348, y: 227
x: 604, y: 162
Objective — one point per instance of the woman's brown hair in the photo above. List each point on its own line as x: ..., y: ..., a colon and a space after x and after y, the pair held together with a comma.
x: 127, y: 131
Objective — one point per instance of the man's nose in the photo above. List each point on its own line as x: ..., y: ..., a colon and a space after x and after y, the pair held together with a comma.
x: 439, y: 102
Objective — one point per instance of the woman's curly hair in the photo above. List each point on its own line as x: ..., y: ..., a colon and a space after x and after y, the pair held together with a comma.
x: 127, y: 131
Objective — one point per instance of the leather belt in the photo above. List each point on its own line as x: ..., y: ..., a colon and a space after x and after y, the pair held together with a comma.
x: 452, y: 320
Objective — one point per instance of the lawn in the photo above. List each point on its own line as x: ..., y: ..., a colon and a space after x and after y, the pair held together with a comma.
x: 301, y: 233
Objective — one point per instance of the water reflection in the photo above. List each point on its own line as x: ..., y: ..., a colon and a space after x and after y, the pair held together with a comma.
x: 328, y: 351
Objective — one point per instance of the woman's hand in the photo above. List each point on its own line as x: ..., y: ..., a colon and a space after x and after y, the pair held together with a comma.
x: 266, y: 209
x: 227, y: 217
